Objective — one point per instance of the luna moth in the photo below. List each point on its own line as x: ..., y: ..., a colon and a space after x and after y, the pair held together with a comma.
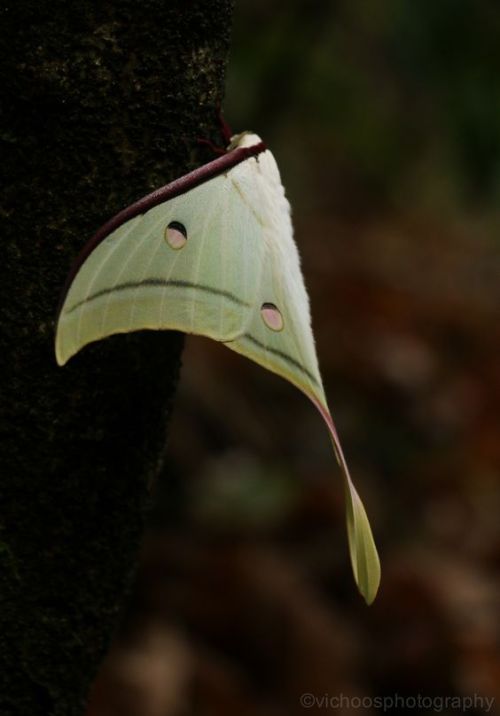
x: 213, y: 254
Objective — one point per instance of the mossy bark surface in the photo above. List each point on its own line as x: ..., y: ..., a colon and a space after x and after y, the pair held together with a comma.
x: 102, y: 103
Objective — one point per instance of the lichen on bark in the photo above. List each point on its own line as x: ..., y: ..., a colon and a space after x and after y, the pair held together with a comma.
x: 102, y: 102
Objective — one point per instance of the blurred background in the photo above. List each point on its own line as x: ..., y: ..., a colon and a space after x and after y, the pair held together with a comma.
x: 384, y: 118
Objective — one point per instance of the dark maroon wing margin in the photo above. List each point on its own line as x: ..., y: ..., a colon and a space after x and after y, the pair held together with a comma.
x: 169, y: 191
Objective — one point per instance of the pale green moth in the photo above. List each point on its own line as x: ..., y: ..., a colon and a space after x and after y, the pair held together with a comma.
x: 213, y: 254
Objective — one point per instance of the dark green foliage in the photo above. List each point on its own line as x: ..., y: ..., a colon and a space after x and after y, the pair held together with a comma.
x: 404, y: 95
x: 101, y: 104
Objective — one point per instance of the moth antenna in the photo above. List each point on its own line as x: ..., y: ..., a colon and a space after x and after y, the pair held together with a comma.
x: 226, y: 129
x: 217, y: 150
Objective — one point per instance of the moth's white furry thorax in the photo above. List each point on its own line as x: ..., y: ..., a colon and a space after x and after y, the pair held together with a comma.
x: 244, y: 139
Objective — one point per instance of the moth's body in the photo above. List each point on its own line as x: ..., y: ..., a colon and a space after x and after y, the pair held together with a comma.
x: 213, y: 254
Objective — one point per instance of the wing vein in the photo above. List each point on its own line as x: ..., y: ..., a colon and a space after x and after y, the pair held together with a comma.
x: 140, y: 242
x: 196, y: 267
x: 133, y: 224
x: 145, y: 274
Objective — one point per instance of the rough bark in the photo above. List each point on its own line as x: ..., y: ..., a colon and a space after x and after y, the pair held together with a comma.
x: 102, y: 102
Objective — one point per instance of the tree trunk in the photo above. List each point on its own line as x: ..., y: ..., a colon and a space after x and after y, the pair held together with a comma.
x: 102, y: 102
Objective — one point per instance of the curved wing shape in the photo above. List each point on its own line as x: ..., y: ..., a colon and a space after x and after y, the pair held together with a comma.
x: 279, y: 337
x: 213, y: 254
x: 146, y: 275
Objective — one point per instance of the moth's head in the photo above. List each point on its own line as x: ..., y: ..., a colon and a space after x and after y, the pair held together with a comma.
x: 245, y: 139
